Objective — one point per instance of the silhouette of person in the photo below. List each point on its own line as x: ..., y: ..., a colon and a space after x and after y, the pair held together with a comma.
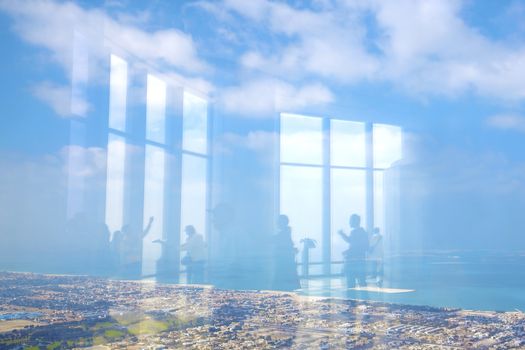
x: 284, y: 266
x: 375, y: 255
x: 355, y: 255
x: 132, y: 249
x: 195, y: 255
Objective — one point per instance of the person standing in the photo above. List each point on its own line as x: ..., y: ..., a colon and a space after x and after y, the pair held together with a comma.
x: 195, y: 255
x: 285, y: 275
x: 355, y: 255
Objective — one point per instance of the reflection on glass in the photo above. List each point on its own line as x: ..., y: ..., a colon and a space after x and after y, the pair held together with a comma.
x: 387, y: 145
x: 194, y: 124
x: 79, y: 76
x: 116, y: 157
x: 347, y: 143
x: 193, y: 194
x: 301, y: 199
x: 348, y: 196
x: 301, y: 139
x: 77, y: 164
x: 379, y: 200
x: 118, y: 85
x: 153, y: 206
x: 156, y: 110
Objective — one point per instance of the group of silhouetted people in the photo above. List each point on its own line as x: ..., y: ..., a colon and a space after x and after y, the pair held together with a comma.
x: 126, y: 249
x: 228, y: 260
x: 363, y: 257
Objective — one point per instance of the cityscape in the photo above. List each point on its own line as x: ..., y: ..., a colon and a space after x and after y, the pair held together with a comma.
x: 66, y: 312
x: 262, y: 174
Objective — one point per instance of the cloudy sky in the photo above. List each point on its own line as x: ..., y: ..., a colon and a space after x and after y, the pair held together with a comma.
x: 450, y: 72
x: 428, y: 64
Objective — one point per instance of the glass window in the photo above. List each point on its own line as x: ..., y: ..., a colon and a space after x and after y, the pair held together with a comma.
x: 387, y: 145
x: 347, y: 143
x: 153, y: 206
x: 116, y: 160
x: 193, y: 194
x: 156, y: 110
x: 301, y: 199
x: 80, y: 77
x: 301, y: 139
x: 379, y: 200
x: 195, y: 122
x: 118, y: 85
x: 77, y: 164
x: 348, y: 196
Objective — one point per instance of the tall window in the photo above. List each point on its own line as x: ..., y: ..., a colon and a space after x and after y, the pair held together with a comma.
x: 194, y: 163
x: 154, y: 171
x: 387, y: 149
x: 116, y: 152
x: 157, y: 162
x: 328, y: 171
x: 302, y: 179
x: 347, y: 180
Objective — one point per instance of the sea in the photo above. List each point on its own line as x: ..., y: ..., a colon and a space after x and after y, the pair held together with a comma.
x: 467, y: 280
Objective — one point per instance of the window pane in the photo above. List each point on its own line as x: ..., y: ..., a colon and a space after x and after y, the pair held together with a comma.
x: 118, y: 85
x: 153, y: 206
x: 193, y: 194
x: 156, y: 110
x: 195, y: 124
x: 116, y: 159
x: 379, y: 200
x: 347, y: 143
x: 301, y: 139
x: 77, y: 164
x: 80, y: 76
x: 387, y: 145
x: 301, y: 199
x: 348, y: 196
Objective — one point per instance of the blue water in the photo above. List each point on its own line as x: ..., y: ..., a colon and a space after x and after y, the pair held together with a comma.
x: 476, y: 281
x: 470, y: 281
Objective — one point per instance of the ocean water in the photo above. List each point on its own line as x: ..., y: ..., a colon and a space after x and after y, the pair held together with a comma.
x: 468, y: 280
x: 473, y: 281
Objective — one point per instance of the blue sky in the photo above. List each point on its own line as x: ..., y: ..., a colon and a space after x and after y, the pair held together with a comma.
x: 450, y: 72
x: 449, y: 68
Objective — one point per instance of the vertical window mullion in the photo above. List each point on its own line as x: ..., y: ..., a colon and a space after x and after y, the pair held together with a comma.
x: 326, y: 198
x: 369, y: 177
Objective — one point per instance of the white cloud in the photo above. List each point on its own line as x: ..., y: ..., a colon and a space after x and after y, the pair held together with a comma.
x: 288, y: 97
x: 429, y: 49
x: 507, y: 122
x: 424, y: 47
x: 259, y: 141
x: 261, y: 98
x: 64, y: 29
x: 58, y: 97
x: 323, y: 43
x: 83, y: 162
x: 51, y: 25
x: 259, y: 144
